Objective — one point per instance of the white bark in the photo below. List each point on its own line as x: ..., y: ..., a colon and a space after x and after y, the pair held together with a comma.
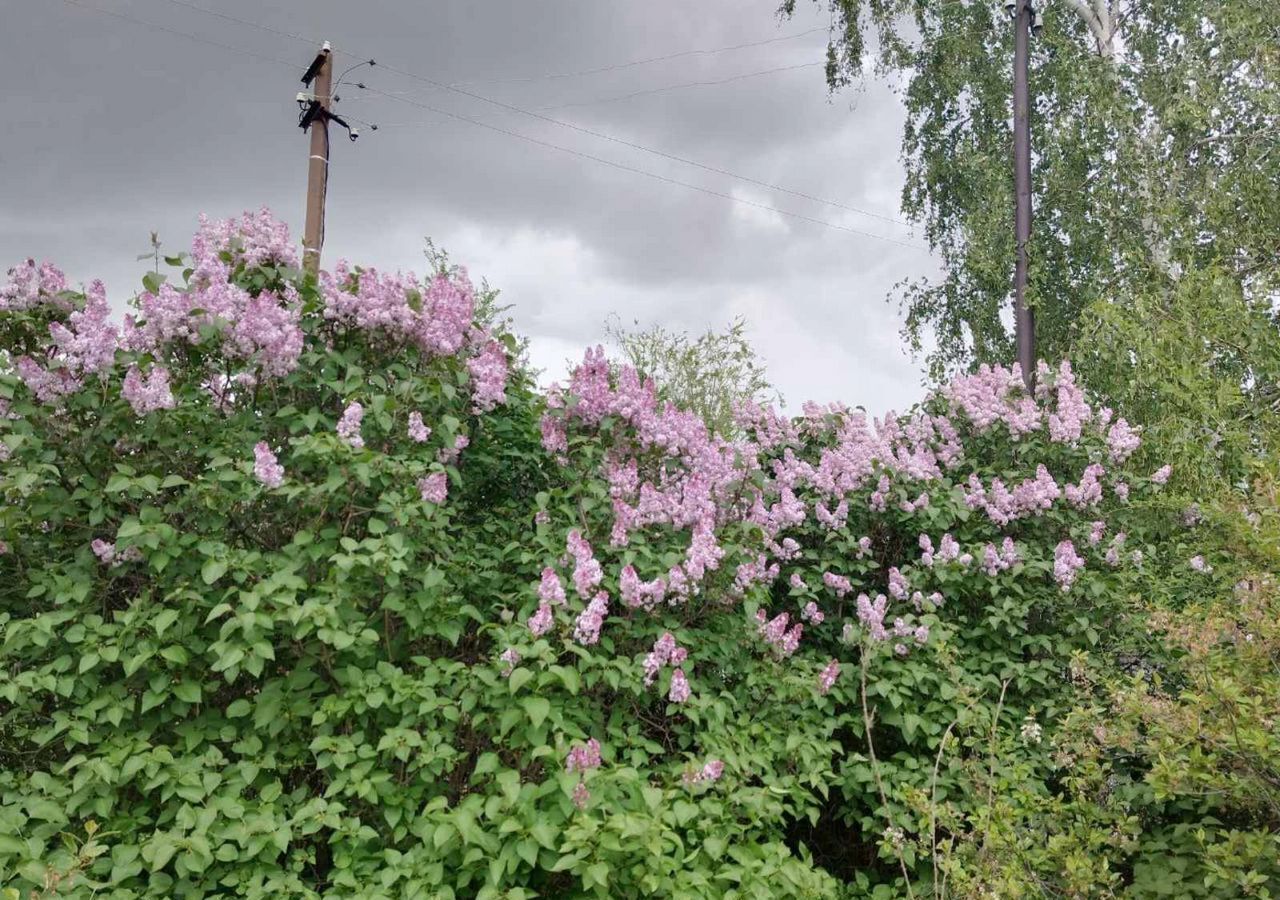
x: 1097, y: 18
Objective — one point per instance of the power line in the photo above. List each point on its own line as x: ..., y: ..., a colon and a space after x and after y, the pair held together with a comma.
x: 183, y: 34
x: 687, y: 84
x: 642, y: 62
x: 536, y: 141
x: 599, y: 134
x: 621, y: 141
x: 644, y: 172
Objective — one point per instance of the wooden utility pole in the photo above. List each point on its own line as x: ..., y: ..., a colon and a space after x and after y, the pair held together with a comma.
x: 1024, y: 318
x: 315, y: 117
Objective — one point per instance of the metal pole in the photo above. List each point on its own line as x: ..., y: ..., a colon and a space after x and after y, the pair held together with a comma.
x: 318, y: 165
x: 1024, y: 318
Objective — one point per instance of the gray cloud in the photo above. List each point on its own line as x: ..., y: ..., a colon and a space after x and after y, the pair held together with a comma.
x: 115, y: 129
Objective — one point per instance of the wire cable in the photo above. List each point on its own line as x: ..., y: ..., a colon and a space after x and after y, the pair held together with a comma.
x: 647, y: 174
x: 184, y: 34
x: 641, y: 62
x: 593, y: 132
x: 687, y: 84
x: 230, y: 18
x: 536, y: 141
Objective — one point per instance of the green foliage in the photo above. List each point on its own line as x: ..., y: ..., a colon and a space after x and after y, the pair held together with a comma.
x: 329, y: 688
x: 711, y: 374
x: 1156, y: 192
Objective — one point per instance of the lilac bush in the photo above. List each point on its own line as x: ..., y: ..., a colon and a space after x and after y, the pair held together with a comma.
x: 309, y: 591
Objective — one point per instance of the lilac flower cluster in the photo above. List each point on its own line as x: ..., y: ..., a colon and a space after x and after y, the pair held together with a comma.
x: 775, y: 632
x: 711, y: 771
x: 349, y: 426
x: 583, y: 757
x: 434, y: 488
x: 827, y: 677
x: 1066, y: 565
x: 419, y: 432
x: 265, y: 466
x: 148, y: 394
x: 665, y: 652
x: 586, y: 630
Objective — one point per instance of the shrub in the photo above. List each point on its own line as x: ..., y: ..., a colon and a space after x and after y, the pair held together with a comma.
x: 309, y: 592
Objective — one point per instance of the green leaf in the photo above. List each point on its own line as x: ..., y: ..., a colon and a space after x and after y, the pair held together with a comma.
x: 537, y: 708
x: 212, y: 570
x: 519, y: 678
x: 163, y: 620
x: 187, y: 691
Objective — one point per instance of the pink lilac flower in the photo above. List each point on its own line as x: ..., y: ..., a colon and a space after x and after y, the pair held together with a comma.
x: 30, y: 285
x: 583, y: 757
x: 550, y: 588
x: 267, y: 331
x: 541, y: 517
x: 554, y: 437
x: 1067, y: 421
x: 838, y: 583
x: 510, y: 659
x: 581, y: 795
x: 1161, y: 475
x: 265, y: 466
x: 871, y: 615
x: 488, y: 377
x: 640, y: 594
x: 797, y: 583
x: 104, y: 551
x: 587, y: 573
x: 1089, y: 491
x: 812, y: 614
x: 449, y: 455
x: 541, y: 621
x: 829, y: 518
x: 948, y: 549
x: 349, y: 425
x: 864, y: 546
x: 1122, y: 441
x: 1066, y: 564
x: 148, y: 394
x: 711, y: 771
x: 898, y: 586
x: 1198, y: 564
x: 418, y: 431
x: 1113, y: 551
x: 991, y: 562
x: 921, y: 634
x: 665, y: 650
x: 434, y: 488
x: 89, y: 345
x: 827, y: 677
x: 1122, y: 490
x: 49, y: 385
x: 586, y: 630
x: 926, y: 550
x: 679, y: 692
x: 900, y: 649
x: 1096, y: 531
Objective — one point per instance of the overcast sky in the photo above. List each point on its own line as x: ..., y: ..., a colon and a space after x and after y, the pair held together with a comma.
x: 113, y: 128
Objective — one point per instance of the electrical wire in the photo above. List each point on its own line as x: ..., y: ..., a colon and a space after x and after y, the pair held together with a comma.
x: 687, y: 84
x: 453, y: 88
x: 646, y: 173
x: 292, y: 66
x: 536, y: 141
x: 641, y: 62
